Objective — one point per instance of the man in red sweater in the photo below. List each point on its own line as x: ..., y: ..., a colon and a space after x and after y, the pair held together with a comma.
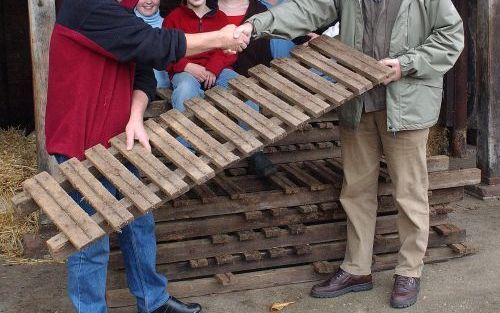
x: 100, y: 82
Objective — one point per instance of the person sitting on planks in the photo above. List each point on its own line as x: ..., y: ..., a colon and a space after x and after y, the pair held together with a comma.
x: 192, y: 75
x: 149, y: 11
x: 420, y: 41
x: 100, y: 81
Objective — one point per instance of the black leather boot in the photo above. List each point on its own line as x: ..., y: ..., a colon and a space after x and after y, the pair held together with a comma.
x: 175, y: 306
x: 260, y: 165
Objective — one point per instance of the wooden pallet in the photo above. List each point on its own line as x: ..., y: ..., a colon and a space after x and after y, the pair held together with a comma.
x: 218, y: 112
x: 225, y: 282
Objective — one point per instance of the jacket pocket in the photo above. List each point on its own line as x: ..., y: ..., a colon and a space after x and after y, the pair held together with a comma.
x: 419, y: 104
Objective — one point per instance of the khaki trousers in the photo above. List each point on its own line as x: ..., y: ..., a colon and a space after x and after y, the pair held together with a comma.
x: 405, y: 153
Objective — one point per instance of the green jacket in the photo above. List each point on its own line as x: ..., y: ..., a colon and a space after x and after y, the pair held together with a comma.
x: 427, y: 38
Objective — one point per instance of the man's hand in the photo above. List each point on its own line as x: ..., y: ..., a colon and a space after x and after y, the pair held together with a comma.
x: 245, y: 28
x: 210, y: 81
x: 135, y: 126
x: 232, y: 41
x: 199, y: 72
x: 311, y: 37
x: 135, y: 131
x: 396, y: 67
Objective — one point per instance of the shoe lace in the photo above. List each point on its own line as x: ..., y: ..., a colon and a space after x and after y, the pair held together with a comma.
x: 404, y: 283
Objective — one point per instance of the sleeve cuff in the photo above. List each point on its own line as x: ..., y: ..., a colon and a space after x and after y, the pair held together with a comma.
x: 405, y: 62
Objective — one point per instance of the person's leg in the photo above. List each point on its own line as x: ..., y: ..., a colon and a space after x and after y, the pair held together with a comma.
x: 361, y: 150
x: 138, y: 246
x: 280, y: 48
x: 405, y: 153
x: 361, y: 162
x: 185, y: 86
x: 87, y: 269
x: 162, y: 79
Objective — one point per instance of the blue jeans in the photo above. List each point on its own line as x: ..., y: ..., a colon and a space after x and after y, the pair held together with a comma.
x: 87, y: 269
x: 162, y: 79
x: 186, y: 86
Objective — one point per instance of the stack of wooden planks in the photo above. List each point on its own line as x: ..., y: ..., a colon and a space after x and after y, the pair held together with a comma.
x: 238, y: 232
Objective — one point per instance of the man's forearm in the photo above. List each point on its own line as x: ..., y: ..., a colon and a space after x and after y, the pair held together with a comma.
x: 224, y: 39
x: 294, y: 18
x: 139, y: 104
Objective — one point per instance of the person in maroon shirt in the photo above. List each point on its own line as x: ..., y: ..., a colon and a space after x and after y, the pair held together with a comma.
x: 100, y: 82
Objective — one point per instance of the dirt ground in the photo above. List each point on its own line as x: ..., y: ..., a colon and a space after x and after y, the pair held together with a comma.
x: 470, y: 284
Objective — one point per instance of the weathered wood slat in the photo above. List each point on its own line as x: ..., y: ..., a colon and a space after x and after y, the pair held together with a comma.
x: 320, y: 170
x: 283, y: 182
x: 168, y: 181
x: 181, y: 156
x: 336, y: 93
x: 355, y: 82
x: 120, y: 298
x: 295, y: 255
x: 303, y: 177
x: 281, y: 86
x: 69, y: 217
x: 115, y: 214
x: 287, y: 113
x: 230, y: 188
x: 237, y: 108
x: 223, y: 125
x: 352, y: 58
x: 270, y: 237
x: 127, y: 183
x: 196, y: 136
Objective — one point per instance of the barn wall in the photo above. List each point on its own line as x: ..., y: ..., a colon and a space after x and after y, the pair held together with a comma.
x: 16, y: 104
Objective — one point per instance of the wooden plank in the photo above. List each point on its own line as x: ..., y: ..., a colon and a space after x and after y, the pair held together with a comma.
x: 285, y: 112
x: 223, y: 125
x: 323, y: 172
x: 127, y: 183
x: 42, y: 16
x: 68, y: 216
x: 168, y: 181
x: 230, y: 188
x: 164, y: 93
x: 238, y: 109
x: 196, y: 136
x: 289, y: 91
x: 352, y: 58
x: 302, y: 176
x: 181, y: 156
x: 270, y: 237
x: 335, y: 93
x: 355, y: 82
x: 120, y: 298
x: 115, y: 214
x: 205, y: 193
x: 284, y: 183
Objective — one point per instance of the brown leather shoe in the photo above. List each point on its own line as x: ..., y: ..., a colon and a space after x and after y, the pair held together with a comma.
x: 405, y: 291
x: 341, y: 283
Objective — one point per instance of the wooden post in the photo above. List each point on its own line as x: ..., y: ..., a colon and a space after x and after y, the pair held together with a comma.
x: 42, y: 14
x: 488, y: 64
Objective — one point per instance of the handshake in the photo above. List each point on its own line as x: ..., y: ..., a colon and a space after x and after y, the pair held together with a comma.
x: 234, y: 38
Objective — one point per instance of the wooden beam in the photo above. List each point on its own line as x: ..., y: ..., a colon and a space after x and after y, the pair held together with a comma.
x: 42, y: 16
x: 488, y: 66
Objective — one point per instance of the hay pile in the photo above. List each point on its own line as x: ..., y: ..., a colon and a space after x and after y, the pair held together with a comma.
x: 438, y: 142
x: 17, y: 162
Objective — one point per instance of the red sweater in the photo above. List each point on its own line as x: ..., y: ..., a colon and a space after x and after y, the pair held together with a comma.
x: 94, y: 49
x: 185, y: 19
